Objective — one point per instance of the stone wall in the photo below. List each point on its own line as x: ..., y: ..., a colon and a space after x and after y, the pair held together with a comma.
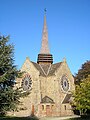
x: 45, y: 86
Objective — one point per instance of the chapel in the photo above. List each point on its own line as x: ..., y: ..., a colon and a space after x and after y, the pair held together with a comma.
x: 50, y: 84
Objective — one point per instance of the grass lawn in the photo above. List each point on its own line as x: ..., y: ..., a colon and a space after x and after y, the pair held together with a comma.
x: 79, y: 119
x: 18, y: 118
x: 82, y: 118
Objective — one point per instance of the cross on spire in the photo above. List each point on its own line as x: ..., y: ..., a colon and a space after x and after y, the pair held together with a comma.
x: 45, y: 10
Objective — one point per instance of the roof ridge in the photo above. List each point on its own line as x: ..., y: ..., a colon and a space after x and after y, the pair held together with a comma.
x: 57, y: 63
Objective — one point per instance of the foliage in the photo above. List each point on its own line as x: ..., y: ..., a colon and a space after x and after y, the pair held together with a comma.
x: 8, y: 71
x: 82, y: 96
x: 83, y: 72
x: 9, y: 97
x: 82, y: 93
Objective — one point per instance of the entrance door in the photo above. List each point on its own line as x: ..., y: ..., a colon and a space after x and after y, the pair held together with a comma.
x: 48, y: 110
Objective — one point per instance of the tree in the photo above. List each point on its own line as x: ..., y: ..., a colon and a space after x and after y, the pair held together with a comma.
x: 82, y: 96
x: 83, y: 72
x: 9, y: 97
x: 81, y: 100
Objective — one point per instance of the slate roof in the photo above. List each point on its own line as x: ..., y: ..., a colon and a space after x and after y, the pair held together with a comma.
x: 67, y: 98
x: 46, y: 69
x: 37, y: 66
x: 47, y: 99
x: 53, y: 68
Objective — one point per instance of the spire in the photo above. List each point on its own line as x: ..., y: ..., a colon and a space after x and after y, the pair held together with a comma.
x: 45, y: 57
x: 45, y: 45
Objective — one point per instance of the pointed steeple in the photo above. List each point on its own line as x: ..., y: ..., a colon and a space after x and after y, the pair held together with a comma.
x: 45, y: 56
x: 45, y: 45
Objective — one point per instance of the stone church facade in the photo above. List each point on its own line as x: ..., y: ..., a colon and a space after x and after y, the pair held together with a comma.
x: 50, y: 85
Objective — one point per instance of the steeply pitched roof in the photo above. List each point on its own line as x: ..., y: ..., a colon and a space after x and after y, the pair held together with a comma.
x: 53, y: 68
x: 67, y: 98
x: 46, y: 69
x: 37, y: 66
x: 47, y: 99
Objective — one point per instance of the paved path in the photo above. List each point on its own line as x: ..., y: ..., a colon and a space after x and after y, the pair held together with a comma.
x: 57, y: 118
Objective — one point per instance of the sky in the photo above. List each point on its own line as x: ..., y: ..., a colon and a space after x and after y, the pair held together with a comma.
x: 68, y: 23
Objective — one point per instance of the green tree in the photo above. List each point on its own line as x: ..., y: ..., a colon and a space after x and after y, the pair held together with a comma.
x: 81, y: 99
x: 9, y: 97
x: 83, y: 72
